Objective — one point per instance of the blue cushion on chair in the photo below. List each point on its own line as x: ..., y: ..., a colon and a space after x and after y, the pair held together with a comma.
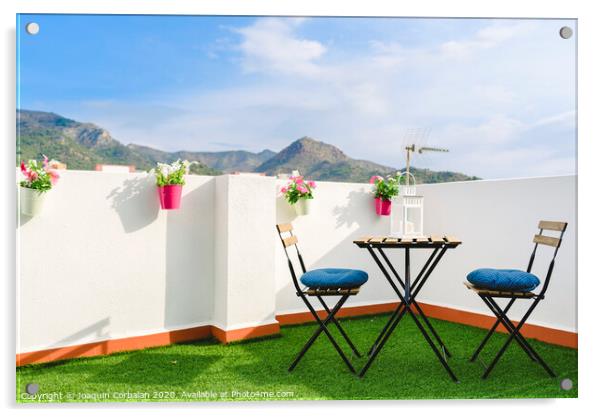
x: 334, y: 278
x: 503, y: 279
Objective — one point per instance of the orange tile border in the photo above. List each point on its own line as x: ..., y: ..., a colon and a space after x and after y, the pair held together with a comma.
x: 545, y: 334
x: 227, y: 336
x: 115, y: 345
x: 141, y: 342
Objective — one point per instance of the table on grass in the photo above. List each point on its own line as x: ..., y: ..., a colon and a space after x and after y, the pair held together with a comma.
x: 407, y: 289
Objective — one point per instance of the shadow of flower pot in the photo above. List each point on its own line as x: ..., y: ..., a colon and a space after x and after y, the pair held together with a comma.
x: 136, y: 202
x: 350, y: 213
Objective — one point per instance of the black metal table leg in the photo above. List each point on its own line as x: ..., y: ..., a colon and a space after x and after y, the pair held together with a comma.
x: 415, y: 288
x: 432, y: 329
x: 382, y: 343
x: 384, y: 330
x: 409, y: 299
x: 410, y: 290
x: 433, y: 347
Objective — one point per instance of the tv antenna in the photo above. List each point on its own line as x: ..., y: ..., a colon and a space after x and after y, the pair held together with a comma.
x: 417, y: 136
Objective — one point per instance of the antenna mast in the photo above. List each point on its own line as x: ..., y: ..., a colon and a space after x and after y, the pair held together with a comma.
x: 418, y: 135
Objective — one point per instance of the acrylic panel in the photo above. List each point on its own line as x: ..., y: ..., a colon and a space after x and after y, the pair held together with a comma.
x: 156, y: 155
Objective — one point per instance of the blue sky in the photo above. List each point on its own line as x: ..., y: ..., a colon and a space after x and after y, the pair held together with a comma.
x: 500, y: 94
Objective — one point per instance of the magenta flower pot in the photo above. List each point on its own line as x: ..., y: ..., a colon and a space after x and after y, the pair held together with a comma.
x: 170, y: 196
x: 383, y: 207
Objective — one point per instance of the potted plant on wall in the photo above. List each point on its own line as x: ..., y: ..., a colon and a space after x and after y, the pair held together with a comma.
x: 39, y: 179
x: 384, y: 190
x: 170, y: 179
x: 299, y: 193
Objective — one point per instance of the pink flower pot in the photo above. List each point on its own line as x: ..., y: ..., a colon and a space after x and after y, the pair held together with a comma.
x: 170, y: 196
x: 383, y: 207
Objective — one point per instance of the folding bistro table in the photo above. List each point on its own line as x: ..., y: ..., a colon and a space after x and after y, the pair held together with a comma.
x: 406, y: 289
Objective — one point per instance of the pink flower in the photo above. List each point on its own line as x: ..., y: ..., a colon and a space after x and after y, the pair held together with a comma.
x: 32, y: 176
x: 54, y: 176
x: 302, y: 189
x: 283, y: 190
x: 312, y: 184
x: 375, y: 178
x: 45, y: 162
x: 299, y: 180
x: 23, y: 168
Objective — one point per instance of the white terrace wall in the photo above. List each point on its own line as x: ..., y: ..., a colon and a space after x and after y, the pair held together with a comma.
x: 103, y: 262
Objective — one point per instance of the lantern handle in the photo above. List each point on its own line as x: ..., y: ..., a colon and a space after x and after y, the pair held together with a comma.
x: 409, y: 189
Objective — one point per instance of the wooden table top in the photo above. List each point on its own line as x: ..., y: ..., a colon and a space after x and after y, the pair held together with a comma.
x: 432, y: 241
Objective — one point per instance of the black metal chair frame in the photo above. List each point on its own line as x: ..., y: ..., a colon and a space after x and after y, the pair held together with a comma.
x: 502, y: 314
x: 344, y: 294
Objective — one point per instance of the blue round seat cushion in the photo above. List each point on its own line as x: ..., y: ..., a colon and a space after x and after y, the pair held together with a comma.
x: 503, y: 279
x: 334, y: 278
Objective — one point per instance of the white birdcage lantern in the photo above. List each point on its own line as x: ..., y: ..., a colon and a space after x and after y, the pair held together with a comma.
x: 407, y: 211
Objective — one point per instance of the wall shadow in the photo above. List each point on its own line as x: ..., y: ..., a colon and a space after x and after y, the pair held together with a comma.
x: 348, y: 214
x: 56, y: 354
x: 161, y: 369
x: 136, y: 202
x: 22, y: 219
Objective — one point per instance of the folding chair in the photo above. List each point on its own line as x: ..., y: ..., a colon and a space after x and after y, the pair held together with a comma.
x: 320, y: 283
x: 488, y: 294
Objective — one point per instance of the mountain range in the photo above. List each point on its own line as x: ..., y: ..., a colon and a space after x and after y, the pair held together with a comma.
x: 83, y: 145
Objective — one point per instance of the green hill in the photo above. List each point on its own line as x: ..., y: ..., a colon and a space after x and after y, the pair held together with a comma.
x: 79, y: 145
x: 83, y: 145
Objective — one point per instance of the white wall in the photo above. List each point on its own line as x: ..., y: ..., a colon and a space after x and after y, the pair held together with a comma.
x: 496, y: 220
x: 102, y: 261
x: 244, y: 280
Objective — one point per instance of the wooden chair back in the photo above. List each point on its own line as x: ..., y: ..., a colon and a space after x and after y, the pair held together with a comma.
x: 285, y: 232
x: 541, y: 239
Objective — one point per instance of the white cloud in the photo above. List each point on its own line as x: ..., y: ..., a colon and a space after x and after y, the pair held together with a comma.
x: 486, y: 38
x: 270, y: 45
x: 564, y: 118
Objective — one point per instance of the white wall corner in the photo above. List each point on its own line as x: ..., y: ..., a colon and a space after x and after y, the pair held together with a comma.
x: 245, y: 283
x: 220, y: 285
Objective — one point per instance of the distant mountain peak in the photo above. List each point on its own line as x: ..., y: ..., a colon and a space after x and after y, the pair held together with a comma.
x: 304, y: 155
x: 267, y: 152
x: 315, y: 148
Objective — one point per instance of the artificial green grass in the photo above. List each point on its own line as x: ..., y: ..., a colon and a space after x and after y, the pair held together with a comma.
x: 257, y: 370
